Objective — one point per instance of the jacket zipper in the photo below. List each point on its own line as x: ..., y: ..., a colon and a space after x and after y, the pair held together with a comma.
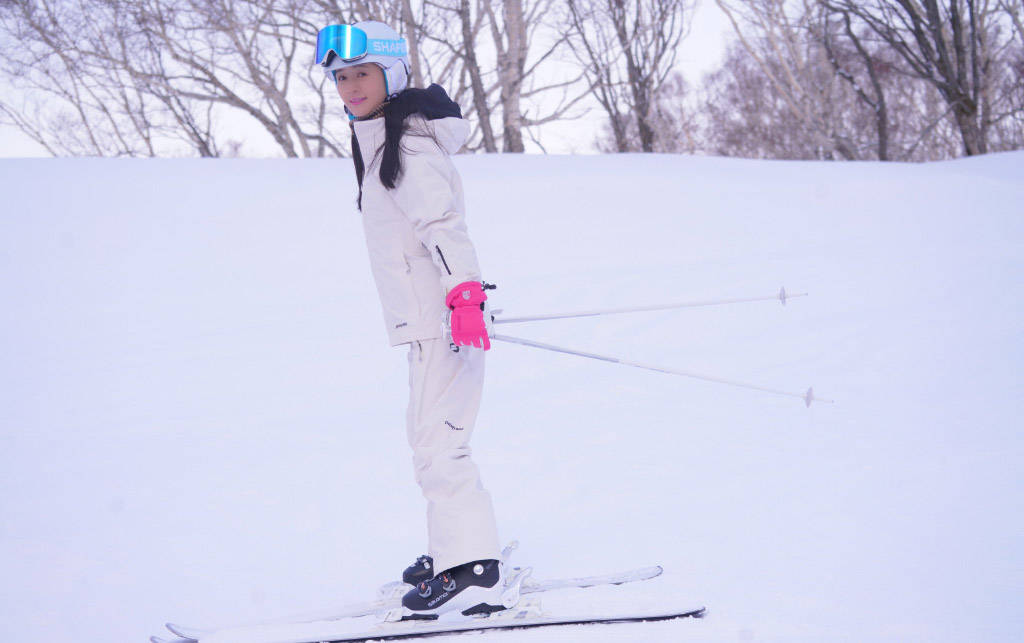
x: 441, y: 254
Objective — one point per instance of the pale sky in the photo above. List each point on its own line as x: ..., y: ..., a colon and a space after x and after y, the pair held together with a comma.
x: 699, y: 53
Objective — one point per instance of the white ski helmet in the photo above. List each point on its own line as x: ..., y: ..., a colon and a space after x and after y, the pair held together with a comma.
x: 369, y: 41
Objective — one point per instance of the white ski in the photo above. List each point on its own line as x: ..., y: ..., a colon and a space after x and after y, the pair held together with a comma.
x: 525, y: 615
x: 393, y: 602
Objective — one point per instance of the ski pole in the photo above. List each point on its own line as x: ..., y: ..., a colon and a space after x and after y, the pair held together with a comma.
x: 781, y: 296
x: 807, y: 397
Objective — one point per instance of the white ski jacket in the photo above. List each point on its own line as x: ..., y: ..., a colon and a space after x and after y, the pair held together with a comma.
x: 416, y: 234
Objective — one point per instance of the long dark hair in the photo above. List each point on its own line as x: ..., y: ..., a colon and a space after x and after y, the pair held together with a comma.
x: 432, y: 102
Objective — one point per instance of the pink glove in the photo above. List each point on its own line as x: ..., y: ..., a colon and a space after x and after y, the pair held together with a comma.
x: 466, y: 302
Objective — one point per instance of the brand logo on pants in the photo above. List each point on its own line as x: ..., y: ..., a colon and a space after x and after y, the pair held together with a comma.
x: 453, y: 427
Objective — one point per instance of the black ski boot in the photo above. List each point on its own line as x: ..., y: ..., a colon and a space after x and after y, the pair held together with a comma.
x: 421, y: 570
x: 472, y: 588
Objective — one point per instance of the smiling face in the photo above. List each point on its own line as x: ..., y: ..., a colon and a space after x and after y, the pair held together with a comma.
x: 362, y: 87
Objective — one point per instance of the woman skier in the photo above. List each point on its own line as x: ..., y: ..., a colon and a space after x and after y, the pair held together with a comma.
x: 428, y: 278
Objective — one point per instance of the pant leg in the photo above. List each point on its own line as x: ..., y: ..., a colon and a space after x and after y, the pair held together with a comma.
x: 445, y: 389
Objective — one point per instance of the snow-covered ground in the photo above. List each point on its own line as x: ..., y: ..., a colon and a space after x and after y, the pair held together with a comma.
x: 201, y: 420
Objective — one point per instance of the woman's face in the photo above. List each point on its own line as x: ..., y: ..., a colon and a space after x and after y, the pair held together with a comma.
x: 361, y: 87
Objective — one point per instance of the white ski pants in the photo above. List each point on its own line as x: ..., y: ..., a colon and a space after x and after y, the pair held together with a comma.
x: 444, y: 397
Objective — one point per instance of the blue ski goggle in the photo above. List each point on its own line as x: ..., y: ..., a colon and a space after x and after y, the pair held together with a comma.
x: 350, y: 43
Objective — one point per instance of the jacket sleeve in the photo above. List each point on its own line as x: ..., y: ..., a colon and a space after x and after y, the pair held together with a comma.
x: 429, y: 194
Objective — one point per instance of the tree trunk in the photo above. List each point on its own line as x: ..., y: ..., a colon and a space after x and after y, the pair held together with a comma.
x: 416, y: 76
x: 970, y: 130
x: 510, y: 69
x: 942, y: 49
x: 639, y: 86
x: 483, y: 112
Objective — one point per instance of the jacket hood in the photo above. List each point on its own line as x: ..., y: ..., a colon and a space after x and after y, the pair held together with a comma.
x: 429, y: 110
x: 432, y: 103
x: 451, y: 133
x: 441, y: 116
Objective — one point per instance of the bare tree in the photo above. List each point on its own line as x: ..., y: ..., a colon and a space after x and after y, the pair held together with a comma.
x: 238, y: 53
x: 599, y: 58
x: 516, y: 33
x: 673, y: 119
x: 954, y: 46
x: 852, y: 63
x: 746, y: 114
x: 523, y: 46
x: 1008, y: 129
x: 777, y: 36
x: 510, y: 39
x: 1014, y: 11
x: 63, y: 56
x: 131, y: 77
x: 470, y: 29
x: 627, y: 49
x: 130, y: 72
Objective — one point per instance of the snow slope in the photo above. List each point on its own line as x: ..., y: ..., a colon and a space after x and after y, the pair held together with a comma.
x: 201, y: 421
